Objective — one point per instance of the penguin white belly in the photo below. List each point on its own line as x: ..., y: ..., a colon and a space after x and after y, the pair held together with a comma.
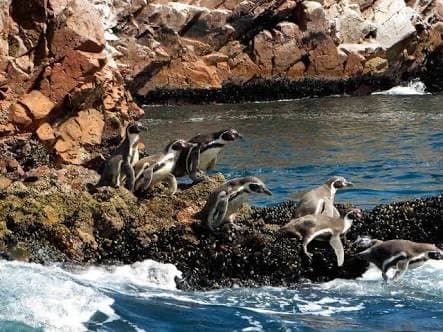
x: 136, y: 156
x: 207, y: 157
x: 163, y: 172
x: 417, y: 261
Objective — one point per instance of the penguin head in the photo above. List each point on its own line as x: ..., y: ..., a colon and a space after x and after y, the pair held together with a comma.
x: 253, y: 184
x: 135, y: 128
x: 228, y: 135
x: 177, y: 146
x: 338, y: 182
x: 437, y: 254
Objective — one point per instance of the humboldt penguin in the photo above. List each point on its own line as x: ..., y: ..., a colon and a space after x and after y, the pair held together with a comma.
x: 321, y: 200
x: 225, y: 201
x: 399, y: 255
x: 158, y: 167
x: 322, y: 227
x: 202, y: 155
x: 119, y: 167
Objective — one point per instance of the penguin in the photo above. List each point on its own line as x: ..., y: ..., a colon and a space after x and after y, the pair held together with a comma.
x: 399, y: 255
x: 322, y: 227
x: 321, y: 200
x: 202, y: 155
x: 119, y: 167
x: 158, y: 167
x: 225, y: 201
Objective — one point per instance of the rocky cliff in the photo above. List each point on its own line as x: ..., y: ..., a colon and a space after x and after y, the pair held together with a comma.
x: 68, y: 67
x: 231, y: 50
x: 57, y: 83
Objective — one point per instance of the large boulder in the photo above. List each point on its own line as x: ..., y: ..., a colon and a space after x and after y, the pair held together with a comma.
x: 78, y: 26
x: 64, y: 76
x: 77, y: 133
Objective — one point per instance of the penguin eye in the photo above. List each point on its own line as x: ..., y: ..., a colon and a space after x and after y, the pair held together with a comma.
x: 227, y: 136
x: 338, y: 184
x: 133, y: 129
x: 254, y: 187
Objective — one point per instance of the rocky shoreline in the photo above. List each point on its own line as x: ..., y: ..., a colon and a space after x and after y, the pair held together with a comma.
x: 52, y: 219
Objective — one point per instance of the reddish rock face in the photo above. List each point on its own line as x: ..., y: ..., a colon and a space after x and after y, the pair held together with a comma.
x: 45, y: 132
x: 54, y: 77
x: 273, y: 39
x: 78, y: 26
x: 19, y: 115
x: 325, y: 59
x: 76, y: 133
x: 38, y: 104
x: 64, y: 76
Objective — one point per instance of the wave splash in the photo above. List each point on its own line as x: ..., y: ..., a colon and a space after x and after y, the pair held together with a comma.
x: 53, y: 299
x: 414, y: 87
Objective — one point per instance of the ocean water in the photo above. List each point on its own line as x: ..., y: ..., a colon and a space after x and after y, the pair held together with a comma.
x: 391, y: 147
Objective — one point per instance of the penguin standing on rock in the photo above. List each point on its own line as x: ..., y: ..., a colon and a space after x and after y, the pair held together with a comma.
x: 321, y: 200
x: 119, y: 167
x: 202, y: 155
x: 158, y: 167
x: 322, y: 227
x: 224, y: 202
x: 399, y: 255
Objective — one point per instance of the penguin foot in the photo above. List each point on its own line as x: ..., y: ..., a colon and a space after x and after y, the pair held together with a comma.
x: 235, y: 226
x: 198, y: 180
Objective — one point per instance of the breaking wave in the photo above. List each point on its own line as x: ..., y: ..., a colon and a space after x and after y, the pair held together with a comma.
x: 414, y: 87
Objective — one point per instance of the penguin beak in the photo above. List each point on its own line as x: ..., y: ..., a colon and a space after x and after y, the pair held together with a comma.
x: 348, y: 184
x: 143, y: 128
x: 267, y: 191
x: 240, y: 136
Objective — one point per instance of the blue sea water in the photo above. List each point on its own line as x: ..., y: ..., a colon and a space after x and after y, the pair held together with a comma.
x: 391, y: 147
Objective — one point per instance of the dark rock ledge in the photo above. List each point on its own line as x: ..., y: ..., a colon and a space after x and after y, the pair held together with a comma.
x: 268, y: 90
x: 53, y: 219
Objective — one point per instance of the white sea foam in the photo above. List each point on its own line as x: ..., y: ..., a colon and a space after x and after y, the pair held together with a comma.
x: 48, y: 298
x: 425, y: 280
x: 144, y: 274
x: 54, y: 299
x: 413, y: 88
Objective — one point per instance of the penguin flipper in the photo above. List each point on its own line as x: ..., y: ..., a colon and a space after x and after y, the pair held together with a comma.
x: 128, y: 170
x: 337, y: 245
x: 402, y: 267
x: 111, y: 173
x: 144, y: 182
x: 392, y: 262
x: 193, y: 162
x: 172, y: 184
x: 216, y: 218
x: 321, y: 206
